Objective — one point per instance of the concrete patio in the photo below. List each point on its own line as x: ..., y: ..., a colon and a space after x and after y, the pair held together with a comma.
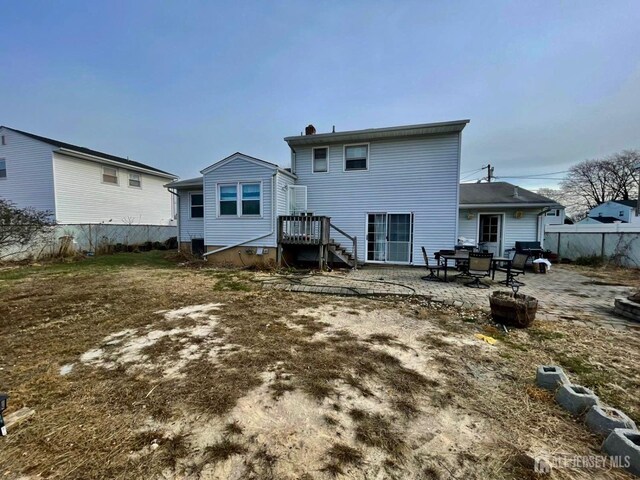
x: 563, y: 294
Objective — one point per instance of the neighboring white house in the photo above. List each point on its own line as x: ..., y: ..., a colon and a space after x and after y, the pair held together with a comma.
x: 81, y: 186
x: 613, y: 211
x: 496, y: 215
x: 394, y: 189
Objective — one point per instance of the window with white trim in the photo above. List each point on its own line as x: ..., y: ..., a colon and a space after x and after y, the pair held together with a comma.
x: 228, y: 200
x: 3, y: 168
x: 197, y: 205
x: 110, y: 175
x: 356, y: 157
x: 250, y: 199
x: 135, y: 180
x: 320, y: 159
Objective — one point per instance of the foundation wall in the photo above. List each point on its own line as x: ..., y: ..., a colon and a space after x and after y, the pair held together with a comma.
x: 242, y: 256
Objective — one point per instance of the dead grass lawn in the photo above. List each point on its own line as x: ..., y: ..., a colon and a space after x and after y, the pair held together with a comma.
x: 253, y: 383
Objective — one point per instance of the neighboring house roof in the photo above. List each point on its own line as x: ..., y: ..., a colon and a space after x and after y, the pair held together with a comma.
x: 378, y: 133
x: 187, y: 183
x: 87, y: 151
x: 501, y: 194
x: 626, y: 203
x: 606, y: 219
x: 248, y: 158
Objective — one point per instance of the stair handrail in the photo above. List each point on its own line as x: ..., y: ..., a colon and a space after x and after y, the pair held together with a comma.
x: 354, y: 241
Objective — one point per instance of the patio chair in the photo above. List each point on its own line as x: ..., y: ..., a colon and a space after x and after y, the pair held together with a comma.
x: 463, y: 265
x: 479, y: 267
x: 434, y: 270
x: 517, y: 268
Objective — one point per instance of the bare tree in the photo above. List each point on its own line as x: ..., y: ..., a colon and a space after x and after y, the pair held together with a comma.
x: 593, y: 182
x: 574, y: 210
x: 20, y: 226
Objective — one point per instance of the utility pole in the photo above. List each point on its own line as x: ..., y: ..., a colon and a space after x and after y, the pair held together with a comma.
x: 489, y: 172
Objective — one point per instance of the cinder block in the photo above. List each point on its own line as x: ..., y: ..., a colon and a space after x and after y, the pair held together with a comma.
x: 576, y: 398
x: 624, y: 446
x: 604, y: 420
x: 550, y: 377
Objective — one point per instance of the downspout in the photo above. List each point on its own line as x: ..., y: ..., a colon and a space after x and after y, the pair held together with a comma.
x: 273, y: 228
x: 540, y: 231
x: 177, y: 213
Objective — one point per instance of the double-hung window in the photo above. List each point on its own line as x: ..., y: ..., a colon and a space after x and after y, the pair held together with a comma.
x: 109, y: 175
x: 3, y: 168
x: 135, y: 180
x: 240, y: 199
x: 250, y: 199
x: 197, y: 205
x: 320, y: 159
x: 356, y: 157
x: 228, y: 200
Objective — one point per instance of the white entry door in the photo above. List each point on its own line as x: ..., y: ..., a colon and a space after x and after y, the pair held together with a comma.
x: 389, y: 237
x: 490, y: 233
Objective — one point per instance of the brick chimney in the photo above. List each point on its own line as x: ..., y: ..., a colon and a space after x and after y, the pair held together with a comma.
x: 310, y: 130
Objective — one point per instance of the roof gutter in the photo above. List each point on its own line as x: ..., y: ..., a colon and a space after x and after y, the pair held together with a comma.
x: 94, y: 158
x: 510, y: 205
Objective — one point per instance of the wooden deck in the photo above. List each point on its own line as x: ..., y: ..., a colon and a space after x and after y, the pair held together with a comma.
x: 315, y: 230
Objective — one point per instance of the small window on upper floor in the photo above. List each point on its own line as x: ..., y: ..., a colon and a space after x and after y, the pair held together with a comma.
x: 621, y: 214
x: 356, y: 157
x: 4, y: 140
x: 197, y: 205
x: 320, y: 159
x: 551, y: 213
x: 3, y: 168
x: 110, y: 175
x: 135, y: 180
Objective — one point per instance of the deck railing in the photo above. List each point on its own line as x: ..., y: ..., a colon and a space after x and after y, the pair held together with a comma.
x: 303, y: 229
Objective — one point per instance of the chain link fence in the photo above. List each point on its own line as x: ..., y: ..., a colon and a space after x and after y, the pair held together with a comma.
x: 65, y: 240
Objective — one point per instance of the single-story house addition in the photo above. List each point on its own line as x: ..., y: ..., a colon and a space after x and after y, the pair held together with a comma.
x: 79, y: 185
x: 613, y: 211
x: 496, y: 215
x: 378, y: 195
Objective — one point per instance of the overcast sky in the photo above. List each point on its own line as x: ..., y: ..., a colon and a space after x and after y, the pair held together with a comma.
x: 180, y: 85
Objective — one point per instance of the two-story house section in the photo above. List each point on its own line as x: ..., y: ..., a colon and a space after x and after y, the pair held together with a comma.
x: 377, y: 195
x: 78, y: 185
x: 614, y: 211
x: 395, y: 189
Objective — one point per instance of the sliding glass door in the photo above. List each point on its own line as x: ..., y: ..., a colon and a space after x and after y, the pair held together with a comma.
x: 389, y: 237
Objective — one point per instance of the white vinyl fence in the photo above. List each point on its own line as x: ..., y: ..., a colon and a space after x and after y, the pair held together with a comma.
x: 94, y: 238
x: 616, y: 243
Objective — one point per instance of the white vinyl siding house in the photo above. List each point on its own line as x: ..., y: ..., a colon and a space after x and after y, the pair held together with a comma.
x: 413, y: 177
x: 612, y: 211
x: 82, y: 186
x: 494, y: 216
x: 240, y: 205
x: 29, y: 171
x: 395, y: 189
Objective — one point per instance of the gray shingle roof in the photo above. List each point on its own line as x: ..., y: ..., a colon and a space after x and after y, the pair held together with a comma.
x: 627, y: 203
x: 500, y: 193
x: 607, y: 219
x: 69, y: 146
x: 186, y: 183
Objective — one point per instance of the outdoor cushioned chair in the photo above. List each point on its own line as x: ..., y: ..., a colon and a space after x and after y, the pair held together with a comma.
x: 517, y: 268
x: 434, y: 270
x: 479, y: 267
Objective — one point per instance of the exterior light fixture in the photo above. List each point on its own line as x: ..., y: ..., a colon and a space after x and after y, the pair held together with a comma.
x: 3, y: 407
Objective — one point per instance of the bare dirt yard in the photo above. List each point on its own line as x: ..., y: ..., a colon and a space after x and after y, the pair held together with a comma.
x: 138, y: 367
